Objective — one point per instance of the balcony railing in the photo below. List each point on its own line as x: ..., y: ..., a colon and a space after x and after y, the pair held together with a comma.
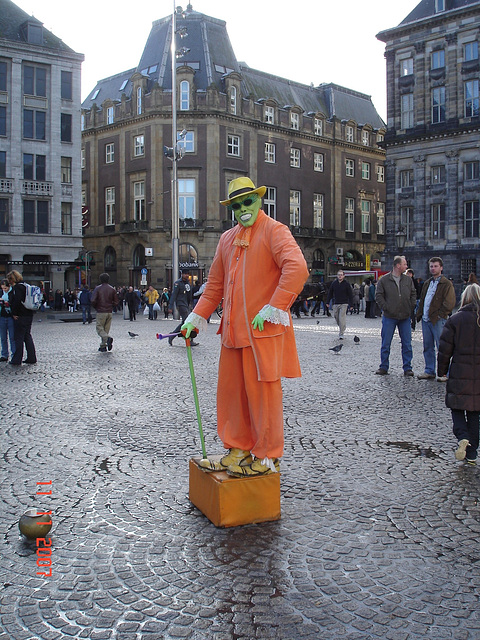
x: 6, y: 185
x: 36, y: 188
x: 134, y: 225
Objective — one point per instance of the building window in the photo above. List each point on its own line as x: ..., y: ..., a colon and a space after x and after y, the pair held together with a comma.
x: 406, y: 178
x: 138, y: 146
x: 139, y: 101
x: 66, y: 127
x: 365, y: 171
x: 233, y: 145
x: 66, y: 218
x: 349, y: 133
x: 438, y: 105
x: 269, y: 115
x: 3, y: 164
x: 406, y: 221
x: 3, y: 76
x: 35, y: 216
x: 406, y: 111
x: 34, y: 124
x: 270, y: 202
x: 406, y: 67
x: 471, y: 99
x: 4, y: 226
x: 294, y: 208
x: 109, y: 206
x: 350, y: 168
x: 380, y: 169
x: 470, y: 170
x: 438, y: 221
x: 66, y: 89
x: 365, y: 138
x: 34, y: 167
x: 472, y: 219
x: 66, y: 169
x: 3, y: 121
x: 365, y: 206
x: 186, y: 199
x: 439, y: 6
x: 82, y: 158
x: 184, y: 96
x: 295, y: 158
x: 381, y: 218
x: 187, y: 141
x: 139, y: 200
x: 233, y: 100
x: 35, y: 81
x: 269, y: 152
x: 318, y: 161
x: 349, y: 214
x: 109, y: 153
x: 380, y: 137
x: 470, y: 51
x: 438, y: 174
x: 109, y: 115
x: 438, y: 59
x: 318, y: 127
x: 318, y: 204
x: 294, y: 121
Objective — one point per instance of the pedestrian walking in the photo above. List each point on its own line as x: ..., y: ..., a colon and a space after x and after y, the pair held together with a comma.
x: 7, y: 325
x: 437, y: 300
x: 182, y: 298
x: 104, y: 299
x: 22, y: 321
x: 396, y: 298
x: 131, y: 300
x: 151, y: 296
x: 164, y: 299
x: 85, y: 300
x: 459, y: 359
x: 341, y: 294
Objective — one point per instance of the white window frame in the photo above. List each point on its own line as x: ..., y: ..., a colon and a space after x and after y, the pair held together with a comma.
x: 233, y: 100
x: 406, y: 111
x: 139, y: 146
x: 295, y: 158
x: 139, y: 211
x: 270, y: 152
x: 294, y: 120
x: 184, y: 95
x: 406, y: 67
x: 269, y: 114
x: 349, y: 167
x: 110, y: 115
x: 366, y: 170
x: 349, y: 214
x: 270, y: 202
x: 109, y: 153
x: 233, y: 145
x: 318, y: 210
x: 366, y: 210
x: 381, y: 218
x: 439, y: 6
x: 187, y: 141
x: 380, y: 169
x: 295, y: 207
x: 366, y: 138
x: 187, y: 198
x: 349, y: 133
x: 318, y: 161
x: 109, y: 206
x: 318, y: 127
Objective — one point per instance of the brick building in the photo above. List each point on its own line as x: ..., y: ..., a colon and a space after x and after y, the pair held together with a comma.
x: 432, y: 140
x: 315, y: 148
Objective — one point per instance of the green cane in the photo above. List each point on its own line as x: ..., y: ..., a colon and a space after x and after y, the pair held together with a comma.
x: 195, y: 395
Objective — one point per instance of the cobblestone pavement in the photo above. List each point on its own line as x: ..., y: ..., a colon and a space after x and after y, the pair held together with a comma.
x: 379, y: 535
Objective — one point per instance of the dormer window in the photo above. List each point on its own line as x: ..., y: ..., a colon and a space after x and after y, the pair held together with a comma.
x: 184, y: 95
x: 294, y: 121
x: 33, y: 32
x: 269, y: 115
x: 233, y: 100
x: 318, y: 127
x: 439, y: 6
x: 139, y: 101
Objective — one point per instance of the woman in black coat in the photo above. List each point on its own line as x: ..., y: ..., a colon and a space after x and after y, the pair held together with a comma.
x: 459, y: 349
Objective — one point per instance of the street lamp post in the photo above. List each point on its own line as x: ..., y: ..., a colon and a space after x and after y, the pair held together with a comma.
x: 175, y: 217
x: 87, y: 253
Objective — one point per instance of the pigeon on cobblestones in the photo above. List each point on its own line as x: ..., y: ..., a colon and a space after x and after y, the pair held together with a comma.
x: 356, y: 339
x: 132, y: 335
x: 336, y: 349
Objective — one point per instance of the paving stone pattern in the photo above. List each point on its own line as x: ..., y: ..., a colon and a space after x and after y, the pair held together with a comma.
x: 379, y: 535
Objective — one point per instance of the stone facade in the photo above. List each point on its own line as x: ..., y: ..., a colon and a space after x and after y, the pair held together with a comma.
x: 432, y: 139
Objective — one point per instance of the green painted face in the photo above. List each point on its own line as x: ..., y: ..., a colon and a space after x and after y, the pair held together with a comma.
x: 245, y: 209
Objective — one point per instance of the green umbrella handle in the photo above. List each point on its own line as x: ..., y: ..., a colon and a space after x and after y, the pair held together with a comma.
x: 195, y: 395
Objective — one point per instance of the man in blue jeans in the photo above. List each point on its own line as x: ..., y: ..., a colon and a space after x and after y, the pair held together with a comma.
x: 437, y: 300
x: 396, y: 297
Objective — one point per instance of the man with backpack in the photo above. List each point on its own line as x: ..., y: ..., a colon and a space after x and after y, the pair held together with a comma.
x: 22, y: 318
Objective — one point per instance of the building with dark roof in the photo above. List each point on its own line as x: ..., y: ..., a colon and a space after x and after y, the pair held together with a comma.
x: 40, y: 141
x: 433, y: 136
x: 315, y: 148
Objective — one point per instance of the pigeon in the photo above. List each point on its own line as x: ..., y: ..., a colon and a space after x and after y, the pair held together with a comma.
x: 132, y: 335
x: 356, y: 339
x: 336, y: 349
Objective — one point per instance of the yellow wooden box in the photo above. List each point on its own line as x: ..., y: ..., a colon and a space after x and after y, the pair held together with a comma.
x: 229, y: 501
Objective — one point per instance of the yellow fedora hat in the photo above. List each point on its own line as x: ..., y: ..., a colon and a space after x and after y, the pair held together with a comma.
x: 242, y: 187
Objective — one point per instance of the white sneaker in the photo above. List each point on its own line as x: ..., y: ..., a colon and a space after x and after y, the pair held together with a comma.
x: 442, y: 378
x: 460, y: 453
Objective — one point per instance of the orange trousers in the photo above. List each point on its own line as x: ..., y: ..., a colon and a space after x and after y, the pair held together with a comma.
x: 249, y: 412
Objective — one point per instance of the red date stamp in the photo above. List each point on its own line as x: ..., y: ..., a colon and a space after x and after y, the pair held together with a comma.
x: 44, y: 545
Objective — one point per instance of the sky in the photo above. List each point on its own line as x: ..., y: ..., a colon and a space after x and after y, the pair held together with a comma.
x: 313, y: 42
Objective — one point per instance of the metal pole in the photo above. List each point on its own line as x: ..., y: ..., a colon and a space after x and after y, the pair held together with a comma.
x: 86, y: 267
x: 175, y: 218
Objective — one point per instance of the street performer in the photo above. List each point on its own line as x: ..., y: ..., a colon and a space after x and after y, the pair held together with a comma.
x: 258, y: 270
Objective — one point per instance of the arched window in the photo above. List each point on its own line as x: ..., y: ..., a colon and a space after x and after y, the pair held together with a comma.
x: 184, y: 96
x: 110, y: 259
x: 139, y: 256
x: 318, y: 259
x: 187, y: 253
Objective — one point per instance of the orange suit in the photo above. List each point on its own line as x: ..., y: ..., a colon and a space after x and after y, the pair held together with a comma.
x: 253, y: 267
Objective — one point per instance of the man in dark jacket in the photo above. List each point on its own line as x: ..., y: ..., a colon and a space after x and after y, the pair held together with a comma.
x: 436, y: 304
x: 182, y: 297
x: 104, y: 299
x: 85, y: 300
x: 342, y: 295
x: 22, y: 318
x: 396, y: 297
